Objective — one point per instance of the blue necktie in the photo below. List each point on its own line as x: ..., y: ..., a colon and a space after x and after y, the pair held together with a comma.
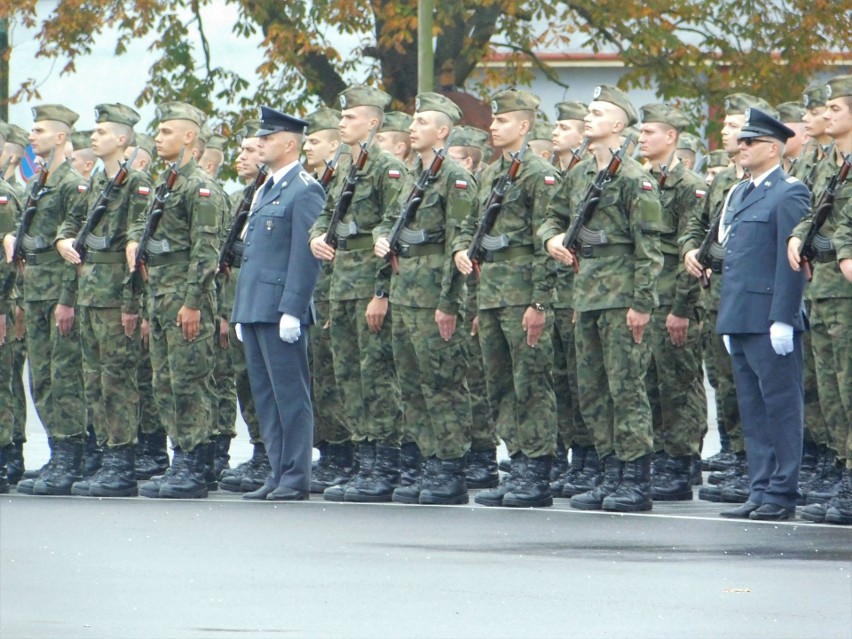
x: 748, y: 189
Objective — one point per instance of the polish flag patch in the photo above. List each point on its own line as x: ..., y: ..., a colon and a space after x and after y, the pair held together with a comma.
x: 4, y: 199
x: 646, y: 186
x: 461, y: 184
x: 204, y: 192
x: 143, y: 190
x: 700, y: 194
x: 394, y: 174
x: 82, y: 188
x: 549, y: 180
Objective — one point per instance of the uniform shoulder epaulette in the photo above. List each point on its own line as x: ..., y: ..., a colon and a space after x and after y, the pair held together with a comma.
x: 307, y: 178
x: 792, y: 180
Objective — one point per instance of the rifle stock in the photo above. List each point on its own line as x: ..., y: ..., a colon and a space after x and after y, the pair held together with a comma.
x: 228, y: 253
x: 35, y: 195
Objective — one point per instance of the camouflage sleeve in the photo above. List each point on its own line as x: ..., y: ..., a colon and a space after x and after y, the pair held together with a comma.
x: 74, y: 197
x: 461, y: 201
x: 10, y: 211
x: 205, y: 208
x: 687, y: 288
x: 223, y: 307
x: 843, y: 234
x: 557, y: 216
x: 139, y: 196
x: 76, y: 217
x: 695, y: 226
x: 645, y: 220
x: 544, y: 187
x: 388, y: 193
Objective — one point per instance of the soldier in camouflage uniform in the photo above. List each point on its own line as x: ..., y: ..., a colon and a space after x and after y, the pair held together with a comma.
x: 688, y: 147
x: 427, y: 294
x: 359, y: 317
x: 731, y: 461
x: 331, y: 436
x: 393, y: 135
x: 618, y: 278
x: 53, y: 337
x: 676, y: 375
x: 481, y: 470
x: 515, y: 291
x: 567, y: 134
x: 107, y: 307
x: 182, y: 263
x: 717, y: 161
x: 541, y: 140
x: 251, y: 474
x: 791, y: 115
x: 831, y: 303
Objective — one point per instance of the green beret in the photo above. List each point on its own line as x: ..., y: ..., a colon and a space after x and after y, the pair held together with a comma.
x: 396, y: 121
x: 248, y: 130
x: 665, y: 114
x: 542, y: 130
x: 571, y: 111
x: 507, y: 101
x: 737, y: 103
x: 17, y: 135
x: 146, y: 143
x: 81, y: 140
x: 469, y: 136
x: 717, y: 158
x: 614, y: 95
x: 216, y: 141
x: 118, y: 113
x: 323, y: 119
x: 363, y: 95
x: 440, y: 103
x: 791, y: 112
x: 839, y: 87
x: 55, y: 112
x: 180, y: 111
x: 815, y: 95
x: 688, y: 142
x: 204, y: 133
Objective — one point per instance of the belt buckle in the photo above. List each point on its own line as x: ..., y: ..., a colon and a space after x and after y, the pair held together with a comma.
x: 404, y: 250
x: 586, y: 251
x: 341, y: 243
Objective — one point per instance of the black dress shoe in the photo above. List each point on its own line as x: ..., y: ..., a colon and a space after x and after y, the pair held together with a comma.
x: 741, y: 512
x: 285, y: 493
x: 773, y: 512
x: 260, y: 493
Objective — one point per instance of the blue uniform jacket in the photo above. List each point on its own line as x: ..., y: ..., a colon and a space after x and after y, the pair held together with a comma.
x: 758, y: 285
x: 278, y: 271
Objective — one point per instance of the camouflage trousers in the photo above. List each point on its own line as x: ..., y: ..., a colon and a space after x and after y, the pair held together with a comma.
x: 721, y: 377
x: 518, y: 376
x: 182, y: 371
x: 483, y: 423
x: 241, y: 382
x: 431, y: 374
x: 148, y: 417
x: 55, y: 372
x: 224, y: 388
x: 831, y: 338
x: 611, y: 371
x: 675, y: 381
x: 816, y: 430
x: 7, y: 398
x: 111, y: 394
x: 364, y: 370
x: 329, y: 421
x: 572, y: 428
x: 19, y: 395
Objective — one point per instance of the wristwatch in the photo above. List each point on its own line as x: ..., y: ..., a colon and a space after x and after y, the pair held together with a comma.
x: 539, y: 307
x: 380, y: 293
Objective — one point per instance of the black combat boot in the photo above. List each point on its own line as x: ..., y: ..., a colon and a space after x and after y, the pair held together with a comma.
x: 634, y: 492
x: 510, y: 481
x: 815, y: 512
x: 697, y: 477
x: 337, y: 469
x: 119, y: 479
x: 588, y: 477
x: 66, y: 469
x: 734, y: 476
x: 826, y: 487
x: 505, y: 465
x: 155, y: 457
x: 736, y: 491
x: 410, y: 463
x: 840, y: 507
x: 722, y: 460
x: 15, y: 462
x: 190, y: 480
x: 380, y: 484
x: 659, y: 465
x: 409, y: 492
x: 810, y: 456
x: 256, y: 475
x: 366, y: 458
x: 676, y: 484
x: 481, y: 469
x: 4, y: 472
x: 222, y: 459
x: 151, y: 488
x: 36, y: 473
x: 560, y: 464
x: 93, y: 454
x: 578, y: 462
x: 210, y: 475
x: 445, y: 483
x: 232, y: 478
x: 593, y: 499
x: 533, y: 489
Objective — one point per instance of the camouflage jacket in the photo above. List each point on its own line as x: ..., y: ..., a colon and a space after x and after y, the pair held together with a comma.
x: 10, y: 212
x: 432, y: 281
x: 107, y: 285
x: 526, y: 278
x: 322, y: 291
x: 629, y: 214
x: 358, y: 273
x: 190, y: 223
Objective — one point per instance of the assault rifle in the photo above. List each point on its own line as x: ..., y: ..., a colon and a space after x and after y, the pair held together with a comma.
x: 577, y: 155
x: 811, y: 176
x: 348, y: 191
x: 710, y: 249
x: 228, y: 253
x: 573, y: 239
x: 330, y: 168
x: 155, y: 214
x: 38, y: 191
x: 415, y: 198
x: 814, y: 243
x: 99, y: 208
x: 475, y: 252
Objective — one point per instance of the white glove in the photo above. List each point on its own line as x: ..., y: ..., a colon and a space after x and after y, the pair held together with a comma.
x: 726, y: 339
x: 238, y: 329
x: 289, y: 328
x: 781, y: 336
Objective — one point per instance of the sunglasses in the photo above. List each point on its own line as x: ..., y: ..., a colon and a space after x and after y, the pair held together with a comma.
x: 750, y: 141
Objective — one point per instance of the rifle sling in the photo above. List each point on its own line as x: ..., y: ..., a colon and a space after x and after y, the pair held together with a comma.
x: 164, y: 259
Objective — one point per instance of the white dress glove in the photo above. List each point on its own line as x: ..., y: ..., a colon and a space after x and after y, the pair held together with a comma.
x: 289, y: 328
x: 726, y: 339
x: 238, y: 329
x: 781, y: 336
